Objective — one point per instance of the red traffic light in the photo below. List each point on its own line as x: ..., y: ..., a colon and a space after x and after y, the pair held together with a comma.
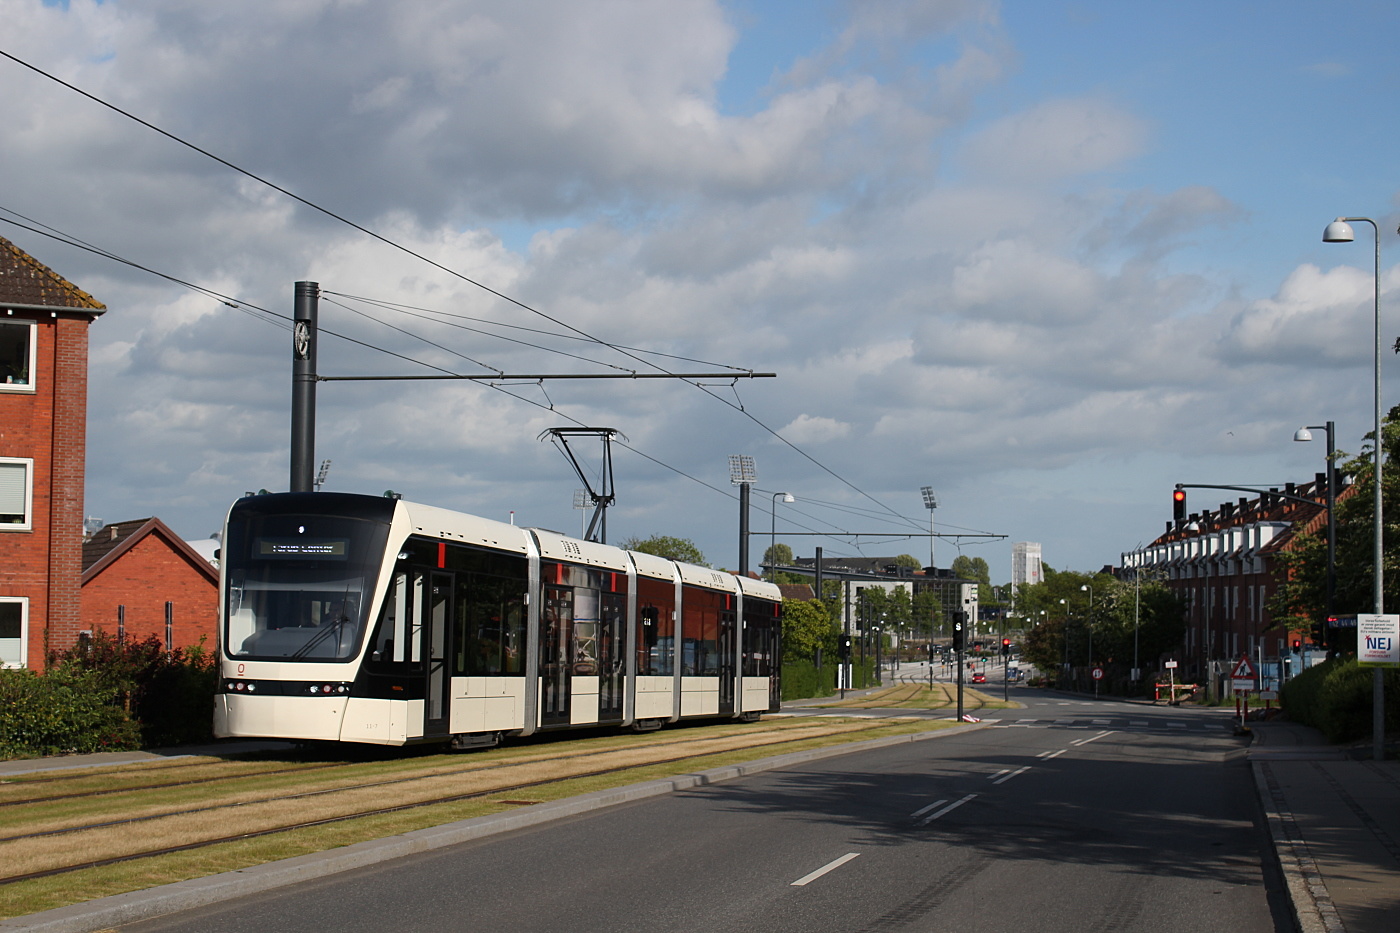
x: 1179, y: 504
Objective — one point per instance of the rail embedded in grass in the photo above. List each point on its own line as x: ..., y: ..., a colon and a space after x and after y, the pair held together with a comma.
x: 434, y: 785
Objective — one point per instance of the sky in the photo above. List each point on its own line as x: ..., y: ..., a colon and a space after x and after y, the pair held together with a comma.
x: 1048, y: 258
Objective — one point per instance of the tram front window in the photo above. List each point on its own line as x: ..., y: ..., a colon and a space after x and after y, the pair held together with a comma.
x: 298, y: 584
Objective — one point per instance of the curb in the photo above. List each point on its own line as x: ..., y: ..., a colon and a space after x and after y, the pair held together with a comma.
x: 1313, y: 910
x: 201, y: 892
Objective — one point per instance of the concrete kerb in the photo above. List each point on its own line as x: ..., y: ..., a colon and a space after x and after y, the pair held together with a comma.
x: 201, y: 892
x: 1313, y: 910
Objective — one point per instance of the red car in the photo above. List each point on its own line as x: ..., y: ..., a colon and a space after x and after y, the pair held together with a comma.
x: 979, y: 678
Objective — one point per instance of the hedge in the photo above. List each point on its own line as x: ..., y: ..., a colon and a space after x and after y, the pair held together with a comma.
x: 66, y: 711
x: 1337, y: 697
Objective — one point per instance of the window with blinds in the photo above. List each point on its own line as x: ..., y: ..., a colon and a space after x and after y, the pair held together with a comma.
x: 16, y: 492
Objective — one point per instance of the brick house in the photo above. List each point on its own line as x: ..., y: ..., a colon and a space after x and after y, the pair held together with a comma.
x: 1223, y: 562
x: 44, y: 323
x: 141, y: 580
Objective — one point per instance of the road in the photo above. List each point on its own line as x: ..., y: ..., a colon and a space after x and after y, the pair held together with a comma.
x: 1069, y: 815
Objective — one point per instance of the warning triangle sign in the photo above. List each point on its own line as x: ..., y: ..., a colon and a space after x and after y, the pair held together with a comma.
x: 1243, y: 669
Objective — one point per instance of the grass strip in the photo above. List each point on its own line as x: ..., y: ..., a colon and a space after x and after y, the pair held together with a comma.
x: 75, y: 887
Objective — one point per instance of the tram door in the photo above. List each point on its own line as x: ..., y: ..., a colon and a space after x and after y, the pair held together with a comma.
x: 612, y: 656
x: 727, y: 650
x: 556, y: 654
x: 435, y: 611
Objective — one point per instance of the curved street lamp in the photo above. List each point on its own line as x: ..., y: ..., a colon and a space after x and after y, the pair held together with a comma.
x: 1339, y: 231
x: 1089, y: 620
x: 1305, y: 434
x: 773, y: 529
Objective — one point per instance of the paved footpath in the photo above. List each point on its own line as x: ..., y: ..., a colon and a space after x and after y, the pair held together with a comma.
x: 1335, y: 822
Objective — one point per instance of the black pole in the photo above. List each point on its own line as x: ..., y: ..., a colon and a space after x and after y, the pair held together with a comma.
x: 304, y: 386
x: 743, y: 529
x: 1331, y: 537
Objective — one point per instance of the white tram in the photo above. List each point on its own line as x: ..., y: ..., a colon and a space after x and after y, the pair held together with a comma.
x: 362, y: 619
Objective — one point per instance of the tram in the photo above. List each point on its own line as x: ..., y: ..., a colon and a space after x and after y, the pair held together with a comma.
x: 352, y: 618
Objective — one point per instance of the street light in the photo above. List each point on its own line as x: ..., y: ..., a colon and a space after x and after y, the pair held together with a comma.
x: 1089, y: 622
x: 1339, y: 231
x: 773, y: 529
x: 930, y: 503
x: 1305, y: 434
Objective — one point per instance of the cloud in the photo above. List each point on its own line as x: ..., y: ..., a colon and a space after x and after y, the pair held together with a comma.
x: 1056, y: 139
x: 985, y: 304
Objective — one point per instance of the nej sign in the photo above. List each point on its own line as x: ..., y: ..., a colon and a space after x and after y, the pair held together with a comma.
x: 1378, y: 640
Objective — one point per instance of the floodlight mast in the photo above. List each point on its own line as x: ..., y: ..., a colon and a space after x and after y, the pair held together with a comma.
x: 930, y: 503
x: 743, y: 475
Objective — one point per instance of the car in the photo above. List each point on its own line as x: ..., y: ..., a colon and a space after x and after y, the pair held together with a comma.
x: 979, y: 678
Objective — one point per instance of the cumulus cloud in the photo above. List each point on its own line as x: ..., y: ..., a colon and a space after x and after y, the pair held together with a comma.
x: 1056, y: 139
x: 944, y: 298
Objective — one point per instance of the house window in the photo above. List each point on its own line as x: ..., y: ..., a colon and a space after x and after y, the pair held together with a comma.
x: 14, y: 624
x: 16, y: 494
x: 16, y: 356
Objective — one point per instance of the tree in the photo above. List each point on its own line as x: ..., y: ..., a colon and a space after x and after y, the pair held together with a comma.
x: 1302, y: 595
x: 681, y: 549
x: 908, y: 560
x: 780, y: 555
x: 807, y: 626
x: 975, y: 568
x: 972, y: 568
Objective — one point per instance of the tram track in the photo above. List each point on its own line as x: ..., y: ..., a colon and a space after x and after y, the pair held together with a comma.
x: 431, y: 773
x: 45, y: 852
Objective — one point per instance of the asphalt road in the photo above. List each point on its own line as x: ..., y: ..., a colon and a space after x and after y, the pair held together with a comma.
x: 1070, y: 815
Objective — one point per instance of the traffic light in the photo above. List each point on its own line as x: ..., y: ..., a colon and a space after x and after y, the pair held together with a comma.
x: 959, y: 618
x: 1297, y: 644
x: 1179, y: 504
x: 1005, y: 647
x: 845, y: 647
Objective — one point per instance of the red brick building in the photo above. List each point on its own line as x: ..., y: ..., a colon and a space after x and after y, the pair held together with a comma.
x: 1223, y: 562
x: 44, y: 323
x: 141, y: 580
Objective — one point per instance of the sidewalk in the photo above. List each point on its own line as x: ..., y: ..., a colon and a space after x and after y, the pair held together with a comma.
x: 1335, y: 824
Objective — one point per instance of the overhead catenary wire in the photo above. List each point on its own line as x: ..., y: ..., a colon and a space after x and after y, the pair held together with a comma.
x: 737, y: 405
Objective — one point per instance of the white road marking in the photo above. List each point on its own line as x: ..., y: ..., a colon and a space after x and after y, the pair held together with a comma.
x: 922, y: 810
x: 829, y: 866
x: 948, y: 809
x: 1092, y: 738
x: 1012, y: 775
x: 1048, y: 755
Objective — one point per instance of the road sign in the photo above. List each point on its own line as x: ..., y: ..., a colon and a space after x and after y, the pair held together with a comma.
x: 1243, y: 670
x: 1170, y: 665
x: 1098, y: 673
x: 1378, y: 640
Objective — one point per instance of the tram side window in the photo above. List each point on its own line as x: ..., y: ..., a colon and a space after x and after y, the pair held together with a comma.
x: 760, y: 641
x: 700, y: 631
x: 656, y: 639
x: 490, y: 625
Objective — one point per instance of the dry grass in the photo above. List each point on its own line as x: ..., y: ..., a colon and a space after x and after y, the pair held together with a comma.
x: 921, y: 696
x: 263, y: 803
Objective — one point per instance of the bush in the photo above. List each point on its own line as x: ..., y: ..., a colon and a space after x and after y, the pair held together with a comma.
x: 804, y: 680
x: 170, y: 694
x: 67, y: 711
x: 1337, y: 697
